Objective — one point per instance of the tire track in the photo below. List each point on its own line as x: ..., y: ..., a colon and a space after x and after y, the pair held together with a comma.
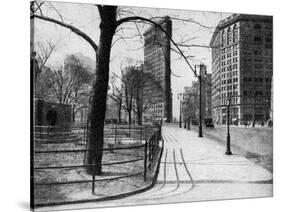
x: 176, y: 171
x: 174, y: 138
x: 185, y: 166
x: 164, y: 185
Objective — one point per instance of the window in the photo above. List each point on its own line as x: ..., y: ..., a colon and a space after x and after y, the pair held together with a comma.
x: 257, y: 52
x: 257, y: 39
x: 268, y: 39
x: 229, y: 35
x: 257, y: 27
x: 223, y: 38
x: 235, y: 34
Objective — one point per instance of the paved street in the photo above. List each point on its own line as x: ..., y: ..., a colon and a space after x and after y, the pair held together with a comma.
x: 196, y: 169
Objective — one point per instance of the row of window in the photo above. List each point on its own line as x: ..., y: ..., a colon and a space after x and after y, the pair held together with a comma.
x: 231, y: 36
x: 256, y: 79
x: 229, y: 48
x: 229, y: 87
x: 250, y: 93
x: 234, y: 73
x: 233, y: 101
x: 223, y: 82
x: 230, y: 94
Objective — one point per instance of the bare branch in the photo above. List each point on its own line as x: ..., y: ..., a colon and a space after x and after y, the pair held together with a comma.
x: 68, y: 26
x: 134, y: 18
x: 60, y: 15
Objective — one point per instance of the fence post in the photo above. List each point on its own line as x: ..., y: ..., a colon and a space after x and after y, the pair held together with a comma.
x: 93, y: 179
x: 115, y: 134
x: 160, y: 132
x: 140, y: 135
x: 150, y: 152
x: 145, y: 160
x: 153, y: 145
x: 84, y: 135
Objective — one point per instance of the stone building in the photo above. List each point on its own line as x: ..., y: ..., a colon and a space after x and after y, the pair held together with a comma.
x: 157, y: 63
x: 242, y: 68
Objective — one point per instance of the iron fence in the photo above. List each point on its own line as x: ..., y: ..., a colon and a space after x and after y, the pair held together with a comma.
x: 149, y: 140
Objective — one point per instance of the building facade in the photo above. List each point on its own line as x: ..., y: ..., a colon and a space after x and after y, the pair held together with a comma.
x: 158, y: 94
x: 242, y: 68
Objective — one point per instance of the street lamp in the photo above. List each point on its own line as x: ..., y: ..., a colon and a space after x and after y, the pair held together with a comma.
x: 228, y: 151
x: 179, y: 97
x: 200, y: 133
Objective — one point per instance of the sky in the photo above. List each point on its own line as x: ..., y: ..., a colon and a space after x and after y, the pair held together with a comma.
x: 129, y: 51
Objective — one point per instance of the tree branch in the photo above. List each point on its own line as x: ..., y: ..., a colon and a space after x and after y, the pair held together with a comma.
x: 134, y: 18
x: 68, y: 26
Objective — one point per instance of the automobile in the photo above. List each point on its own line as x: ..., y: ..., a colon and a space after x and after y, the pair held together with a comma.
x: 209, y: 123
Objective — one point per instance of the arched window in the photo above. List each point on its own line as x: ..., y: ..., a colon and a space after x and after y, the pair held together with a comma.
x: 235, y: 34
x: 229, y: 35
x: 223, y: 38
x: 257, y: 26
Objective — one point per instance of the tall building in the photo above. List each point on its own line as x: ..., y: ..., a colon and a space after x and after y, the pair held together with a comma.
x: 242, y: 68
x: 158, y: 94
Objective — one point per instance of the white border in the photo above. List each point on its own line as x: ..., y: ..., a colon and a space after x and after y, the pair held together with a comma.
x: 14, y: 87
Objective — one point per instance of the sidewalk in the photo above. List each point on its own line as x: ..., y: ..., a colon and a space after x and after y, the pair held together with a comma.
x: 216, y: 175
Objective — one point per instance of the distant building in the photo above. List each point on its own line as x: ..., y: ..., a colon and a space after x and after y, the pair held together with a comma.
x: 191, y: 97
x: 157, y: 63
x: 190, y: 102
x: 242, y: 68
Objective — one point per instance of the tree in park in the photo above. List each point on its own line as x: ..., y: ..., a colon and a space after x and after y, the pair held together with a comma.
x: 43, y: 73
x: 111, y: 20
x: 117, y: 95
x: 81, y: 77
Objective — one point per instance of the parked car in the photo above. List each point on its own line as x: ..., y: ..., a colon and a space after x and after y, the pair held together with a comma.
x: 209, y: 123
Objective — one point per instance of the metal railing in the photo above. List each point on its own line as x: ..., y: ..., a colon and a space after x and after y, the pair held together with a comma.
x: 151, y: 138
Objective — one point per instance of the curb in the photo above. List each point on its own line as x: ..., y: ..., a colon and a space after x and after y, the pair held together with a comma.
x: 113, y: 197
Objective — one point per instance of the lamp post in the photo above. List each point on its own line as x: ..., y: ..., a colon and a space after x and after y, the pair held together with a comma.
x: 200, y: 133
x: 179, y: 97
x: 228, y: 151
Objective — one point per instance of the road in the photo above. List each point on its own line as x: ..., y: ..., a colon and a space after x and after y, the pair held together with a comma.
x: 196, y: 169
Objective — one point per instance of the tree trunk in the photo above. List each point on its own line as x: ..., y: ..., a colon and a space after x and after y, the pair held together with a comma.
x: 130, y: 117
x: 73, y: 114
x: 139, y: 117
x: 119, y: 112
x: 100, y: 87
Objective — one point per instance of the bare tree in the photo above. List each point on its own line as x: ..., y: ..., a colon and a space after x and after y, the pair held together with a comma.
x: 42, y: 73
x: 44, y: 51
x: 62, y: 85
x: 117, y: 96
x: 80, y: 78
